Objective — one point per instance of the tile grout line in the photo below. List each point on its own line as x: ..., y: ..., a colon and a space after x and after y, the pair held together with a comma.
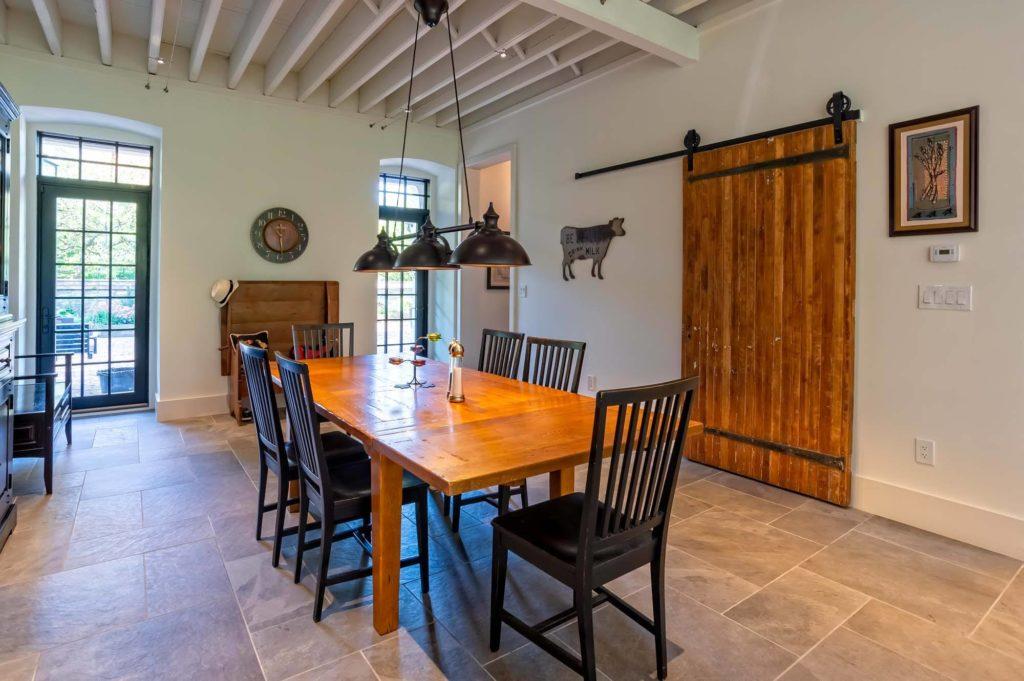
x: 822, y: 640
x: 928, y: 555
x: 370, y: 666
x: 238, y: 605
x: 899, y: 654
x: 1017, y: 575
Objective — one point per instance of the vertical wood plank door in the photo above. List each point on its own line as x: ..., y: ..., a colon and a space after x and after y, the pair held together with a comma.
x: 768, y: 308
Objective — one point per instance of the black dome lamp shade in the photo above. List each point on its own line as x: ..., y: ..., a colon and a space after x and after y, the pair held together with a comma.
x: 380, y: 258
x: 428, y: 251
x: 488, y: 246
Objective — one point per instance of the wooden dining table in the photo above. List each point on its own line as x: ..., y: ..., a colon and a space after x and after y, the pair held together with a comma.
x: 506, y: 430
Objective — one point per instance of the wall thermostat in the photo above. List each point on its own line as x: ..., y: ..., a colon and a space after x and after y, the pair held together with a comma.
x: 944, y: 253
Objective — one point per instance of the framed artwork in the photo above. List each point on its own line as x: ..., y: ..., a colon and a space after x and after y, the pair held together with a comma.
x: 499, y: 277
x: 933, y: 174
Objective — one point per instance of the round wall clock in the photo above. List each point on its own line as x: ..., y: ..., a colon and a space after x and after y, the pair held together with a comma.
x: 279, y: 235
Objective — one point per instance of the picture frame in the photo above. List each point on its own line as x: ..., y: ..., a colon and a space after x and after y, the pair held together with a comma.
x: 499, y: 278
x: 933, y: 174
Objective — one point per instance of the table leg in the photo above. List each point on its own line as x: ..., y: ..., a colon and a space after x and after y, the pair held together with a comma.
x: 562, y: 482
x: 386, y: 490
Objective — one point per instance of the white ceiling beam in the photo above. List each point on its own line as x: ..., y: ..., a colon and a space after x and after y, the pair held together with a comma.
x: 156, y: 32
x: 309, y: 22
x: 496, y: 70
x: 201, y: 43
x: 49, y: 20
x: 511, y: 31
x: 676, y: 7
x: 634, y: 23
x: 256, y: 26
x: 587, y: 46
x: 384, y: 64
x: 588, y: 76
x: 359, y: 26
x: 102, y: 8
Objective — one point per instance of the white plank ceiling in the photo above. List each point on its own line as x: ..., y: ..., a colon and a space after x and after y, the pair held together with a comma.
x: 359, y: 51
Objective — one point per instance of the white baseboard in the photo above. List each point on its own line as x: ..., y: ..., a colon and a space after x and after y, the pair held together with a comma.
x: 190, y: 407
x: 978, y: 526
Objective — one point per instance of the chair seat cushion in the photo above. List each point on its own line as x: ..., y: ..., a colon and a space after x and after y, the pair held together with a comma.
x: 351, y: 481
x: 339, y: 448
x: 554, y: 526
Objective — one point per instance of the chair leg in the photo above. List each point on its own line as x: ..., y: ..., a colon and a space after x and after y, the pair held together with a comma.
x: 282, y: 508
x: 499, y: 570
x: 261, y: 498
x: 524, y: 495
x: 456, y: 512
x: 423, y: 541
x: 585, y: 622
x: 658, y: 596
x: 67, y: 431
x: 326, y: 533
x: 504, y: 498
x: 301, y: 534
x: 447, y: 505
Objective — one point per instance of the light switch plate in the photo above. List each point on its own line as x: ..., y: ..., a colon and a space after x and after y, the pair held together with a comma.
x: 945, y: 297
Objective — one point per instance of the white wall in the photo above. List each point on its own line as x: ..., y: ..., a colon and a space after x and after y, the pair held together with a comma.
x: 955, y: 377
x: 226, y: 157
x: 484, y: 308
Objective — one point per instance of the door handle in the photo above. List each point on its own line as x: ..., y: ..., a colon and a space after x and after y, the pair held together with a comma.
x: 46, y: 320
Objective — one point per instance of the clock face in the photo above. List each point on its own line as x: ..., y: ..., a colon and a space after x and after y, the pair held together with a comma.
x: 279, y: 235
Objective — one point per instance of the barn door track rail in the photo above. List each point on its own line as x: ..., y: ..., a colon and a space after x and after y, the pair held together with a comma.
x: 839, y: 109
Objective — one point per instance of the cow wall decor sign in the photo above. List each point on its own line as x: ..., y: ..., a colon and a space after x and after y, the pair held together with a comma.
x: 588, y: 243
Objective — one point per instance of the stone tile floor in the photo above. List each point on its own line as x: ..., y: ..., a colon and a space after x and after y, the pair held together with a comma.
x: 143, y: 564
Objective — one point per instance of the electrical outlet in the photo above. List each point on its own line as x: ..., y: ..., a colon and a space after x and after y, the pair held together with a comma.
x: 522, y: 290
x: 591, y: 382
x: 924, y: 451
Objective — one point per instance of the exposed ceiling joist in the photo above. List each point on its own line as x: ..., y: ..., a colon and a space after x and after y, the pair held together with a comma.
x: 260, y: 18
x: 496, y: 70
x: 359, y: 26
x: 676, y: 7
x: 587, y: 46
x: 310, y: 21
x: 632, y: 22
x: 513, y: 28
x: 487, y: 116
x: 201, y: 43
x: 3, y: 23
x: 156, y: 32
x: 49, y: 20
x: 103, y: 31
x: 376, y: 74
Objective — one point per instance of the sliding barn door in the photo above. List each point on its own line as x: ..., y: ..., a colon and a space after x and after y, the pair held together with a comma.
x: 768, y: 296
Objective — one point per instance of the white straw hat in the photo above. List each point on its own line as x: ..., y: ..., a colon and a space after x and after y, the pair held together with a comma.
x: 222, y: 291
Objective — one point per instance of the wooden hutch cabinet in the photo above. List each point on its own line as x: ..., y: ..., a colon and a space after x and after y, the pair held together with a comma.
x: 8, y: 325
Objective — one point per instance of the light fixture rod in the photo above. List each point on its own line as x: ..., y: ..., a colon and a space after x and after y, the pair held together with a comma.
x: 458, y: 114
x: 408, y: 106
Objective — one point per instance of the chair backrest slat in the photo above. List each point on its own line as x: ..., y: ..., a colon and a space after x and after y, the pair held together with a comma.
x: 262, y: 400
x: 554, y: 363
x: 312, y: 341
x: 298, y: 400
x: 646, y: 447
x: 500, y: 352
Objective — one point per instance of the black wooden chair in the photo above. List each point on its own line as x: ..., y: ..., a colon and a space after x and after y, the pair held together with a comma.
x: 335, y: 493
x: 276, y: 454
x: 586, y: 540
x: 42, y: 409
x: 554, y: 363
x: 315, y: 341
x: 500, y: 353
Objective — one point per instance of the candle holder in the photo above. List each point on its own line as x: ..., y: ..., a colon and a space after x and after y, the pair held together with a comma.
x: 416, y: 361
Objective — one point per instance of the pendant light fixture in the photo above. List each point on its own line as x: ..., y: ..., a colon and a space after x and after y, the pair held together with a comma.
x: 487, y: 245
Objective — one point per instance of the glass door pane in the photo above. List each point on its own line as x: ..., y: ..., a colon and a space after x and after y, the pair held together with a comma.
x: 93, y: 283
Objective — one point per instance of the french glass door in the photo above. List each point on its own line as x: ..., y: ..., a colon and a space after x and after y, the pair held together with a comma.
x: 94, y: 288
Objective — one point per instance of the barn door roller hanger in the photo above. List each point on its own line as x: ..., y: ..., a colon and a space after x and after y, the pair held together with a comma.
x: 839, y: 109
